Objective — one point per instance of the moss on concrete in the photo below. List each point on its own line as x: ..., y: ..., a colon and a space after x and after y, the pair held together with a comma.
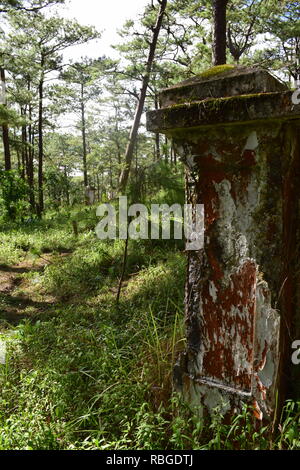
x: 227, y: 110
x: 221, y: 81
x: 215, y: 103
x: 216, y: 70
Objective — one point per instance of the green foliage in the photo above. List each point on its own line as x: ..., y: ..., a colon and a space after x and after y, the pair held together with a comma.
x: 9, y: 117
x: 87, y: 269
x: 165, y: 184
x: 13, y: 194
x: 103, y: 92
x: 57, y: 184
x: 78, y: 365
x: 27, y: 5
x: 83, y: 372
x: 86, y: 373
x: 89, y: 374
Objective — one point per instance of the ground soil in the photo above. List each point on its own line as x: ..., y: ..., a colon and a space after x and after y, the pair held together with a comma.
x: 21, y: 296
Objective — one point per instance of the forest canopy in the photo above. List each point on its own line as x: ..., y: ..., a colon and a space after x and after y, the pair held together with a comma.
x: 98, y: 96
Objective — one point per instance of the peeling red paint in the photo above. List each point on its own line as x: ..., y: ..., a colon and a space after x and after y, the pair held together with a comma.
x: 257, y: 411
x: 249, y: 158
x: 227, y: 315
x: 219, y: 362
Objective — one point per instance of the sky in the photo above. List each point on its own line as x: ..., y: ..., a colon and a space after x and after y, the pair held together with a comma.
x: 107, y: 16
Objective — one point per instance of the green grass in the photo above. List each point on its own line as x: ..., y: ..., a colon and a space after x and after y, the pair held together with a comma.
x: 86, y: 373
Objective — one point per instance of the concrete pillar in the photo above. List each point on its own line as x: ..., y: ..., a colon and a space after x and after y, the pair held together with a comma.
x: 237, y: 131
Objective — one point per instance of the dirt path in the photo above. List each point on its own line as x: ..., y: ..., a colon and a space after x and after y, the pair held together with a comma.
x: 21, y: 295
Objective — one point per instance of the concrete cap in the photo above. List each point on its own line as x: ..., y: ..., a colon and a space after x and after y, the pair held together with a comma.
x: 221, y: 81
x: 223, y: 95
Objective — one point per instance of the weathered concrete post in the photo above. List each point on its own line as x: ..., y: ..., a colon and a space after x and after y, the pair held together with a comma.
x: 237, y: 130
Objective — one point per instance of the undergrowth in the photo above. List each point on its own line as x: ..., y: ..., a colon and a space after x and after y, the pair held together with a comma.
x: 90, y: 374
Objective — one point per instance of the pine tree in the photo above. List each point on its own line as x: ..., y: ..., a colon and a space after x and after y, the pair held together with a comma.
x: 43, y: 40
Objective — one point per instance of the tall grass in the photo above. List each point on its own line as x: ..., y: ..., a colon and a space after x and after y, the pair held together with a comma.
x: 90, y: 374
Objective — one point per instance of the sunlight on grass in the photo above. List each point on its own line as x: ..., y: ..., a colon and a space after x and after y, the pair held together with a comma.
x: 86, y: 373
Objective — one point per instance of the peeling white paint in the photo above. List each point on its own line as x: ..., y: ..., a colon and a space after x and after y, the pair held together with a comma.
x: 266, y: 374
x: 190, y: 161
x: 227, y: 212
x: 215, y: 402
x: 212, y: 151
x: 252, y: 142
x: 266, y: 346
x: 242, y: 247
x: 213, y: 291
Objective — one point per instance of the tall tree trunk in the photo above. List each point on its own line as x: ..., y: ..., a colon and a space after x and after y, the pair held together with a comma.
x: 167, y: 150
x: 157, y: 139
x: 219, y: 45
x: 297, y: 61
x: 140, y: 105
x: 157, y: 146
x: 5, y: 133
x: 136, y: 159
x: 24, y: 152
x: 30, y: 170
x: 84, y: 146
x: 40, y: 205
x: 119, y: 158
x: 117, y: 141
x: 17, y: 151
